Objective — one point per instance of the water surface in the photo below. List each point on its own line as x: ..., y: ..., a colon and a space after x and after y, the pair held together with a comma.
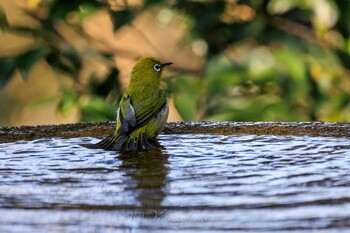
x: 198, y: 183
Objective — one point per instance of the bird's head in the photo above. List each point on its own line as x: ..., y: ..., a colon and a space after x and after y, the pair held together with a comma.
x: 148, y: 71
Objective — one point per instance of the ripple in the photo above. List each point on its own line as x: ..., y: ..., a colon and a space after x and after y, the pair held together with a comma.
x: 198, y: 182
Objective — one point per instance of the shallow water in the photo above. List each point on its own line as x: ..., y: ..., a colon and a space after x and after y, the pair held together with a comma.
x: 198, y: 183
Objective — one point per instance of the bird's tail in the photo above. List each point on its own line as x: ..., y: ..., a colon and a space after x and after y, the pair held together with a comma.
x: 124, y: 143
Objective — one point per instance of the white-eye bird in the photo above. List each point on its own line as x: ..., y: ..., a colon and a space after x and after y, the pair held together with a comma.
x: 143, y: 110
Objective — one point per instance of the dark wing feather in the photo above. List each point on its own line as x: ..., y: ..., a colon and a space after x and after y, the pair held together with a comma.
x: 126, y: 115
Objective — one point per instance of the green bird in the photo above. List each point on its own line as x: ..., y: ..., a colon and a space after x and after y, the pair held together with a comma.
x: 143, y: 110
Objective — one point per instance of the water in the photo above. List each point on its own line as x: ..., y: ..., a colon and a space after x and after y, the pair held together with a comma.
x: 198, y: 183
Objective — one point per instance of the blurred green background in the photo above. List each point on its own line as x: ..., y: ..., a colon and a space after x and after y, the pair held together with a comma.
x: 248, y: 60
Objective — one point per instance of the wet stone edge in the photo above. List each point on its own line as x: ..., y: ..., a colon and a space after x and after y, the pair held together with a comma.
x: 100, y: 129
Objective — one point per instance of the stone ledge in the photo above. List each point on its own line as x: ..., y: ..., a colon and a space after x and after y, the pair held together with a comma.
x: 99, y: 129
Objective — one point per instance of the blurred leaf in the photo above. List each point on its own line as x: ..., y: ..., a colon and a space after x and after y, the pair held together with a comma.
x: 187, y: 89
x: 344, y: 57
x: 43, y: 102
x: 26, y: 60
x: 59, y: 63
x: 291, y: 62
x: 186, y: 106
x: 97, y: 109
x: 8, y: 66
x: 107, y: 55
x: 3, y: 21
x: 36, y: 32
x: 109, y: 83
x: 85, y: 10
x: 344, y: 21
x: 68, y: 62
x: 150, y: 3
x: 60, y: 9
x: 122, y: 17
x: 69, y: 99
x: 74, y: 57
x: 221, y: 77
x: 23, y: 62
x: 221, y: 82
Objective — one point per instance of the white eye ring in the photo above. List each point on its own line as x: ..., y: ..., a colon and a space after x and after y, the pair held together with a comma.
x: 157, y: 67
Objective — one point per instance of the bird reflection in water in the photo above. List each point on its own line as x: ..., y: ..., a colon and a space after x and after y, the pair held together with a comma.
x: 148, y: 171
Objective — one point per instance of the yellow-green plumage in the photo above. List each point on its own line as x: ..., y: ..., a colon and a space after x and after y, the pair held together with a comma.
x: 143, y: 110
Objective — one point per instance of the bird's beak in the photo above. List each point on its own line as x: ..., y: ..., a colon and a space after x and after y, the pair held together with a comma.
x: 166, y: 64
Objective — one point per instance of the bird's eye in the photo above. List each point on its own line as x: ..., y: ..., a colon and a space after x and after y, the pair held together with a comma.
x: 157, y: 67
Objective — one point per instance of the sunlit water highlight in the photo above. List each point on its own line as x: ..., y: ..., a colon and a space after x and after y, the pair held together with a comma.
x: 198, y: 183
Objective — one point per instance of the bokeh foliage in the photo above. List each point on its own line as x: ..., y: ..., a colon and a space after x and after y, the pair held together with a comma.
x: 277, y: 60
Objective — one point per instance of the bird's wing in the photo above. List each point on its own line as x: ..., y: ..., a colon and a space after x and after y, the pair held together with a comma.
x: 126, y: 114
x: 145, y: 113
x: 133, y: 116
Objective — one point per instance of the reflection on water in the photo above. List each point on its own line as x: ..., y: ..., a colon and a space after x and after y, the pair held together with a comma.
x: 197, y: 183
x: 148, y: 171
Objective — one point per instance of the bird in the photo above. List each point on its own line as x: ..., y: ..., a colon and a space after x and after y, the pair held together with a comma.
x: 143, y: 110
